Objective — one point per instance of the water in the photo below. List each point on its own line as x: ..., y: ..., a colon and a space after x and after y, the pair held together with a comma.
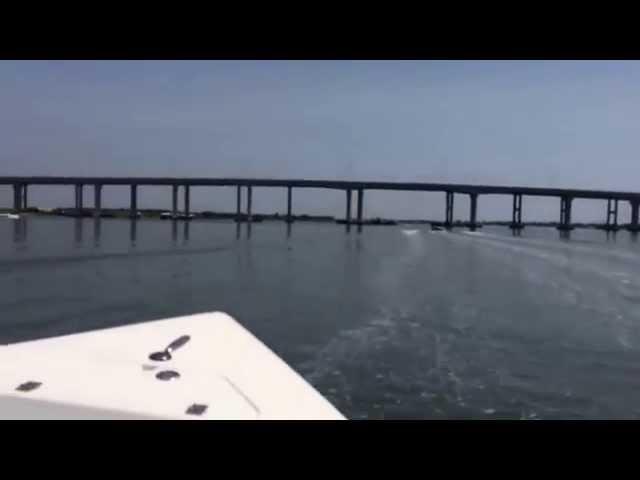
x: 397, y: 322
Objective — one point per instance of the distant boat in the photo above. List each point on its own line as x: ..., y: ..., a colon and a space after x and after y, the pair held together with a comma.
x: 11, y: 216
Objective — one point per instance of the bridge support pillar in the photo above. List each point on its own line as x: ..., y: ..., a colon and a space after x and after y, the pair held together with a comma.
x: 249, y: 201
x: 360, y: 205
x: 634, y: 226
x: 174, y: 201
x: 238, y: 203
x: 133, y: 208
x: 289, y: 218
x: 347, y: 215
x: 18, y: 197
x: 187, y: 201
x: 97, y: 200
x: 516, y: 215
x: 565, y: 213
x: 448, y: 221
x: 612, y: 214
x: 473, y: 207
x: 79, y: 197
x: 25, y: 196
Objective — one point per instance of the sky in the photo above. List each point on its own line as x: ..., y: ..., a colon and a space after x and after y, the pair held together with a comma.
x: 573, y: 124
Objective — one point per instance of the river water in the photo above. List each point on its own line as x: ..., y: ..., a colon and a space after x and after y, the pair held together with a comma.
x: 394, y: 322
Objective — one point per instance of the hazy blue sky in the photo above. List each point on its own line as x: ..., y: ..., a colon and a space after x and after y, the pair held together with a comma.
x: 556, y: 123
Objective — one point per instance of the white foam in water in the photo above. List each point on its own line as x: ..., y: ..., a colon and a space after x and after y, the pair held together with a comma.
x: 556, y: 253
x: 623, y: 340
x: 548, y: 243
x: 410, y: 232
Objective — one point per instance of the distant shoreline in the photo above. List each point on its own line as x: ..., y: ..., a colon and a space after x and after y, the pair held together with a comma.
x: 259, y: 217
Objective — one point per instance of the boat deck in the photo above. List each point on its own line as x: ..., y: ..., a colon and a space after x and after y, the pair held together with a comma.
x: 224, y: 373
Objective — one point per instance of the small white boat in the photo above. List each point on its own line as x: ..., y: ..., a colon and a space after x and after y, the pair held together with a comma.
x: 204, y: 366
x: 11, y: 216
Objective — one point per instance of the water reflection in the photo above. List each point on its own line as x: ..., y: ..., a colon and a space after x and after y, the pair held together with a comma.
x: 133, y: 231
x: 78, y: 226
x: 187, y: 224
x: 20, y: 230
x: 249, y: 229
x: 358, y: 244
x: 97, y: 231
x: 174, y: 231
x: 248, y: 252
x: 564, y: 234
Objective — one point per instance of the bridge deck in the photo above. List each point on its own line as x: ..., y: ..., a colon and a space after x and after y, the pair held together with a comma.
x: 329, y: 184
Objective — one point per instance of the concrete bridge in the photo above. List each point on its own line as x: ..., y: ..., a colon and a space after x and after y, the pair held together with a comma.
x: 565, y: 195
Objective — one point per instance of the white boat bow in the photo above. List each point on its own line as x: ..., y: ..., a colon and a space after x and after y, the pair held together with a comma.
x: 221, y: 371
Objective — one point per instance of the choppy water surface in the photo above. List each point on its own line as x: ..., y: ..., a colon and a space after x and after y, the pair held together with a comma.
x: 395, y: 322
